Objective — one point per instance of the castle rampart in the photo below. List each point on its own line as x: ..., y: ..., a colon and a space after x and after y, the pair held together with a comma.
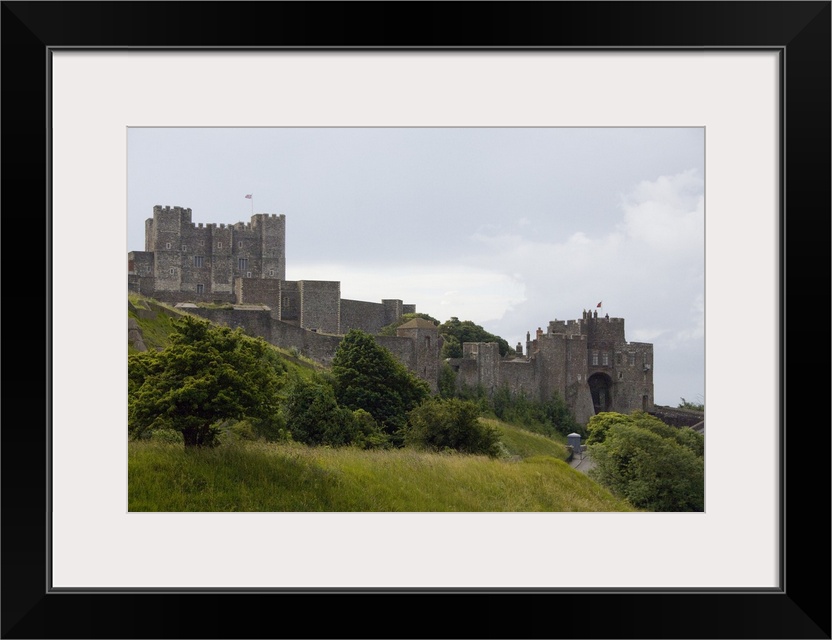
x: 609, y: 374
x: 587, y: 361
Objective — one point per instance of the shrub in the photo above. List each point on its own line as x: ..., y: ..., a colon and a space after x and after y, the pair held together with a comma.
x: 653, y: 472
x: 447, y: 381
x: 313, y: 415
x: 442, y: 424
x: 367, y: 432
x: 367, y: 376
x: 205, y: 375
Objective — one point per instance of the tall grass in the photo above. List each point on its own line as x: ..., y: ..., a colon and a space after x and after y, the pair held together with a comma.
x: 525, y: 444
x: 287, y: 477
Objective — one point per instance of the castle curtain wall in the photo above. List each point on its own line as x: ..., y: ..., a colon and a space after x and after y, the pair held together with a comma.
x: 245, y: 264
x: 364, y: 316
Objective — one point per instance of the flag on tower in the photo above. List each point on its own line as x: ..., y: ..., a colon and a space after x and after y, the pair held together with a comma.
x: 598, y: 306
x: 248, y: 195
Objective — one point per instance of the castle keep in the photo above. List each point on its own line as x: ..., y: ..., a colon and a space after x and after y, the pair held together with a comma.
x: 243, y: 264
x: 587, y: 361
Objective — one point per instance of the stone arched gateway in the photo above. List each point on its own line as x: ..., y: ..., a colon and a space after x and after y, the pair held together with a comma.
x: 600, y: 386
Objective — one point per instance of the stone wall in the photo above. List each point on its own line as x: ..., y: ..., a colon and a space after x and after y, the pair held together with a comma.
x: 254, y: 322
x: 289, y: 307
x: 364, y: 316
x: 258, y: 291
x: 678, y: 417
x: 320, y: 305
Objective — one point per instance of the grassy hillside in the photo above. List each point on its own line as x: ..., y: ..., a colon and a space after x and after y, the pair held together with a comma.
x: 244, y: 475
x: 286, y: 477
x: 155, y: 321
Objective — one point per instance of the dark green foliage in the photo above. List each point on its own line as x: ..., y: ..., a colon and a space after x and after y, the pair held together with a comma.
x: 205, y: 375
x: 367, y: 433
x: 477, y: 395
x: 451, y: 347
x: 442, y: 424
x: 367, y: 376
x: 313, y: 416
x: 683, y: 436
x: 600, y: 423
x: 447, y: 381
x: 655, y: 466
x: 454, y: 332
x: 549, y: 418
x: 390, y: 329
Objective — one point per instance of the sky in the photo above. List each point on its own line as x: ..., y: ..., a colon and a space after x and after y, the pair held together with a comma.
x: 508, y: 227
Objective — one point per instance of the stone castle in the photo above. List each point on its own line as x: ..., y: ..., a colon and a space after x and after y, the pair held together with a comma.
x: 242, y: 269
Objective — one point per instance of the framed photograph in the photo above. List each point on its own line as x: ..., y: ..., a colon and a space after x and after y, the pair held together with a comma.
x: 752, y: 79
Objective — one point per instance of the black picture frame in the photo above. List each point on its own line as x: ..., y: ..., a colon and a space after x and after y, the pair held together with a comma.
x: 799, y: 31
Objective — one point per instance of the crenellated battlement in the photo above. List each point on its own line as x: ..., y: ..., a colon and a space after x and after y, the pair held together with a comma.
x: 586, y: 361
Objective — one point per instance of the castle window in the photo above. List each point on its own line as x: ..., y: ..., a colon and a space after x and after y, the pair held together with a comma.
x: 184, y: 248
x: 271, y: 272
x: 240, y: 244
x: 219, y: 245
x: 200, y: 288
x: 242, y: 264
x: 605, y: 359
x: 594, y: 358
x: 631, y: 359
x: 248, y: 274
x: 198, y: 261
x: 167, y: 245
x: 172, y: 271
x: 427, y: 342
x: 286, y: 302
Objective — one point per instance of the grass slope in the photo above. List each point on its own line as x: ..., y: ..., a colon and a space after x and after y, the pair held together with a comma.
x: 155, y: 319
x: 259, y: 476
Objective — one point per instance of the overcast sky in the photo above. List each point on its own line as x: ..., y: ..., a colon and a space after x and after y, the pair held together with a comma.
x: 508, y: 227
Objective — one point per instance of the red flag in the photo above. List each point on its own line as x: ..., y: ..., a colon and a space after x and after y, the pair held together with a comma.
x: 248, y: 196
x: 598, y: 305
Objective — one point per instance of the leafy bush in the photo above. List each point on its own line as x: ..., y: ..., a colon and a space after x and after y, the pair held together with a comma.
x: 313, y: 416
x: 653, y: 465
x: 443, y: 424
x: 447, y: 381
x: 205, y: 375
x: 455, y: 332
x: 367, y: 433
x: 549, y: 418
x: 367, y: 376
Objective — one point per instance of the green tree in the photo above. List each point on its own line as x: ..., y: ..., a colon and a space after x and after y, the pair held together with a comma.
x: 600, y: 423
x: 441, y: 424
x: 206, y: 375
x: 367, y: 376
x: 447, y: 381
x: 454, y: 332
x: 313, y: 416
x: 451, y: 346
x: 390, y: 329
x: 654, y: 465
